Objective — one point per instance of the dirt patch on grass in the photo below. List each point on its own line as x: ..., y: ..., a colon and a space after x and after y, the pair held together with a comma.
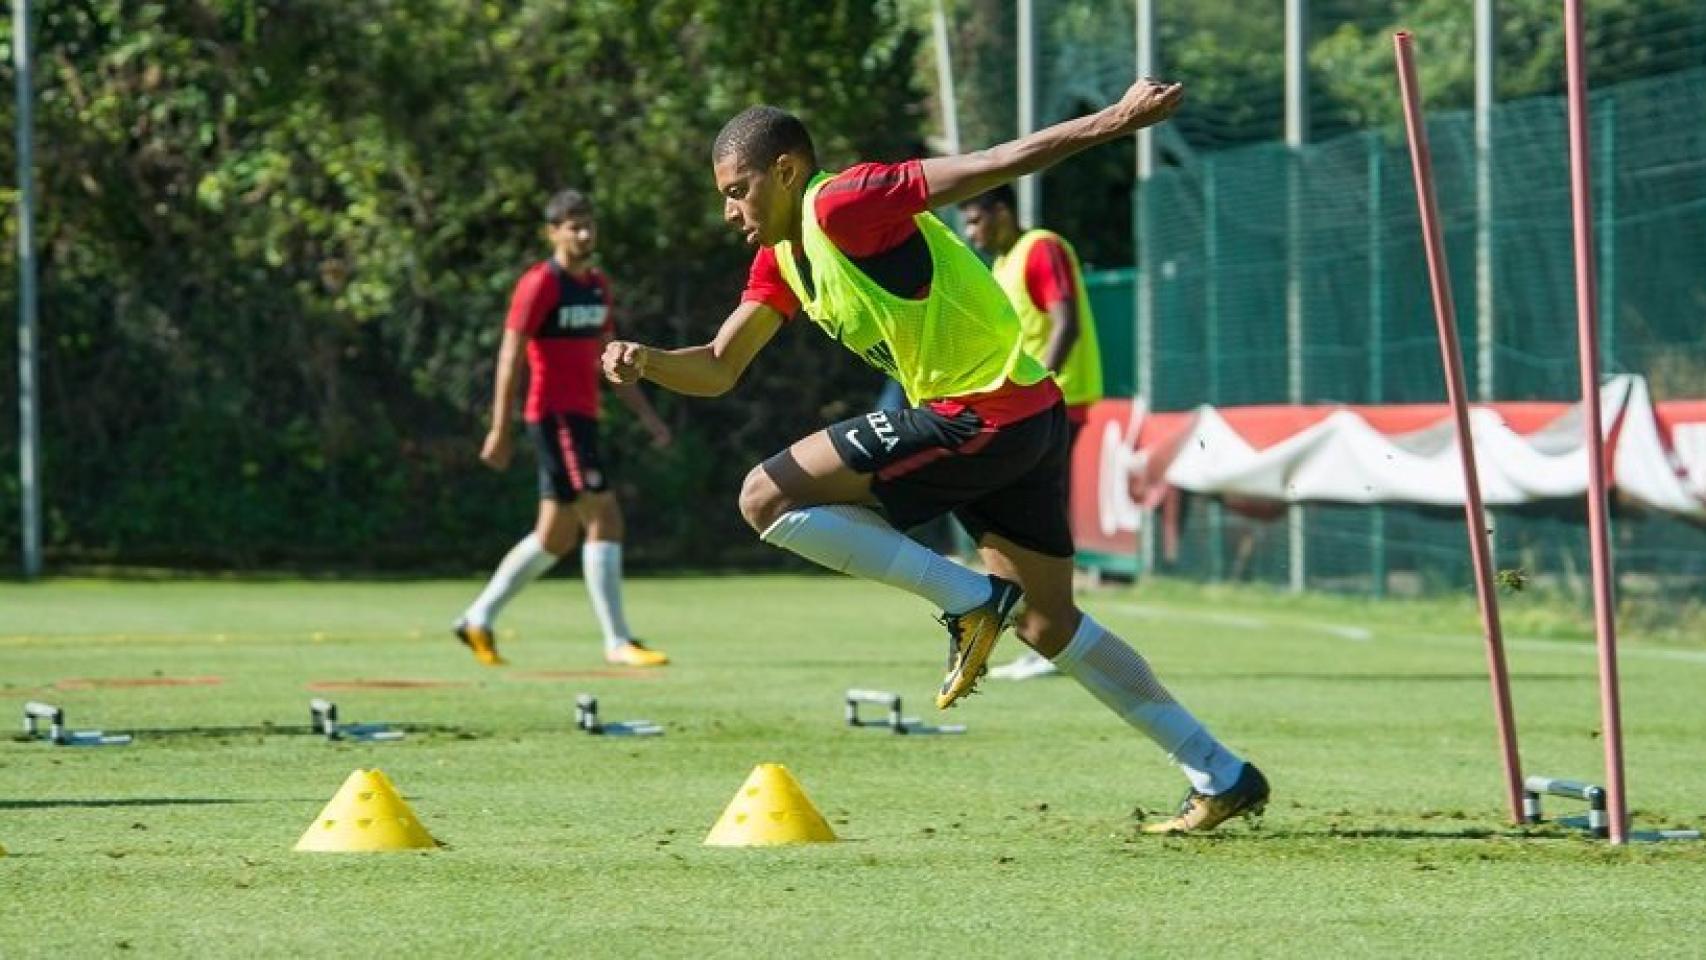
x: 105, y: 683
x: 610, y: 673
x: 384, y: 684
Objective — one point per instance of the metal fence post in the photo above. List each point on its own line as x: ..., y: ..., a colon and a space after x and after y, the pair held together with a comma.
x: 1296, y: 133
x: 1376, y: 339
x: 1029, y: 202
x: 29, y: 416
x: 1211, y: 352
x: 1486, y: 362
x: 1145, y: 286
x: 1608, y: 233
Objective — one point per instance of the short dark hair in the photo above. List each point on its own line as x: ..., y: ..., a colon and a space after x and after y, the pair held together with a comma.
x: 758, y: 135
x: 565, y: 204
x: 1003, y: 195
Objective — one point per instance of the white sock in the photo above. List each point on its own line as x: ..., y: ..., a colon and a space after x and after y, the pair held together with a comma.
x: 854, y: 540
x: 1118, y: 676
x: 520, y: 567
x: 601, y: 564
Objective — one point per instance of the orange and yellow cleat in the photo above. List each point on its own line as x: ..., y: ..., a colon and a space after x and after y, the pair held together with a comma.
x: 635, y: 654
x: 1202, y: 812
x: 971, y: 639
x: 482, y: 641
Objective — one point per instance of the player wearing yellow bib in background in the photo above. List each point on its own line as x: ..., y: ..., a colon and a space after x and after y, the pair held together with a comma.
x: 1040, y: 273
x: 985, y: 437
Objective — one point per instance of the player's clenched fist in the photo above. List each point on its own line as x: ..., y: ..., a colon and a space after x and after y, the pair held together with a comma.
x: 624, y: 362
x: 497, y: 449
x: 1146, y: 103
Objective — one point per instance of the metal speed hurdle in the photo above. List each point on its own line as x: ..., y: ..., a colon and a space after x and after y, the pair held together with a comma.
x: 323, y: 720
x: 36, y: 713
x: 46, y: 722
x: 1597, y: 821
x: 586, y: 721
x: 896, y: 722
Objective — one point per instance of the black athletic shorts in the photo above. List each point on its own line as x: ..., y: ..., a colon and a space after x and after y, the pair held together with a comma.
x: 1009, y: 480
x: 569, y: 462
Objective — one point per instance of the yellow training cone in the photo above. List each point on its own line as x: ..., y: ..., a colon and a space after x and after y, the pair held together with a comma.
x: 366, y: 815
x: 771, y: 808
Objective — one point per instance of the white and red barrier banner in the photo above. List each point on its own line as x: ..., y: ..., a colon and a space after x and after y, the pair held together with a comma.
x: 1258, y: 458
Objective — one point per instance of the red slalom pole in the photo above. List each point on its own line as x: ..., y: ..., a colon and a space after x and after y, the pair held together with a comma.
x: 1587, y: 336
x: 1421, y: 162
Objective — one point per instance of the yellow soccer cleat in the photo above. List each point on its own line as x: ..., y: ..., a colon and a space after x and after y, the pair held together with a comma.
x: 1202, y: 812
x: 971, y: 639
x: 635, y: 654
x: 482, y: 641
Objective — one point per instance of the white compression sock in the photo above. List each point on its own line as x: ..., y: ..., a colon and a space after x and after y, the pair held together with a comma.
x: 854, y: 540
x: 601, y: 564
x: 1118, y: 676
x: 520, y: 567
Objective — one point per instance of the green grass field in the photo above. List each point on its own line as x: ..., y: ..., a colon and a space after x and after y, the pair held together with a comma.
x: 1373, y: 722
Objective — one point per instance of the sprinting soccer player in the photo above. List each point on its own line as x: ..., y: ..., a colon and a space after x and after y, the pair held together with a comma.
x: 560, y: 319
x: 986, y: 437
x: 1040, y: 273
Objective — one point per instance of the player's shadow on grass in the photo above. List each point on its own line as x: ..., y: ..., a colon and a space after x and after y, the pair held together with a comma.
x: 1265, y: 835
x: 1408, y: 833
x: 257, y: 730
x: 1543, y: 832
x: 52, y: 804
x: 1390, y: 677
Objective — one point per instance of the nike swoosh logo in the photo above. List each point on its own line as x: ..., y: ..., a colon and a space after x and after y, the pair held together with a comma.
x: 853, y: 438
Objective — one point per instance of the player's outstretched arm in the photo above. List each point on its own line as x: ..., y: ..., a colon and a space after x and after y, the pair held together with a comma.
x: 953, y: 179
x: 704, y: 371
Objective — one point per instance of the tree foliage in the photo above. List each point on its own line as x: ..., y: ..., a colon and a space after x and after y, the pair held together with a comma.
x: 1352, y: 62
x: 277, y: 241
x: 1231, y: 55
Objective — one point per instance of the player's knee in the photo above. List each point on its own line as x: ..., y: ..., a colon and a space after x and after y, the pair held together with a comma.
x: 1046, y: 630
x: 557, y: 527
x: 761, y: 501
x: 558, y: 540
x: 599, y: 506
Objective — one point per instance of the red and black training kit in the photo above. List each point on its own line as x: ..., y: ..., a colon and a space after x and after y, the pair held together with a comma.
x: 1009, y: 480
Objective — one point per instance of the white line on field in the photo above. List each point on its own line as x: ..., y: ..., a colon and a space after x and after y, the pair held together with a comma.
x: 1359, y: 634
x: 1365, y: 635
x: 1588, y: 649
x: 1339, y: 630
x: 1170, y: 613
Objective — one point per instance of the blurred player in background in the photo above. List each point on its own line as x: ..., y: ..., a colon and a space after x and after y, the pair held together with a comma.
x: 560, y: 320
x: 1040, y: 273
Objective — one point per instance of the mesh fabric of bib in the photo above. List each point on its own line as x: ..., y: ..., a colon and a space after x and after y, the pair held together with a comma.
x: 961, y: 340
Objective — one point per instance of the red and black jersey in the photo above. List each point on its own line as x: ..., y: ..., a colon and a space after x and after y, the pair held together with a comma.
x: 1048, y: 274
x: 1048, y: 281
x: 867, y: 211
x: 566, y: 318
